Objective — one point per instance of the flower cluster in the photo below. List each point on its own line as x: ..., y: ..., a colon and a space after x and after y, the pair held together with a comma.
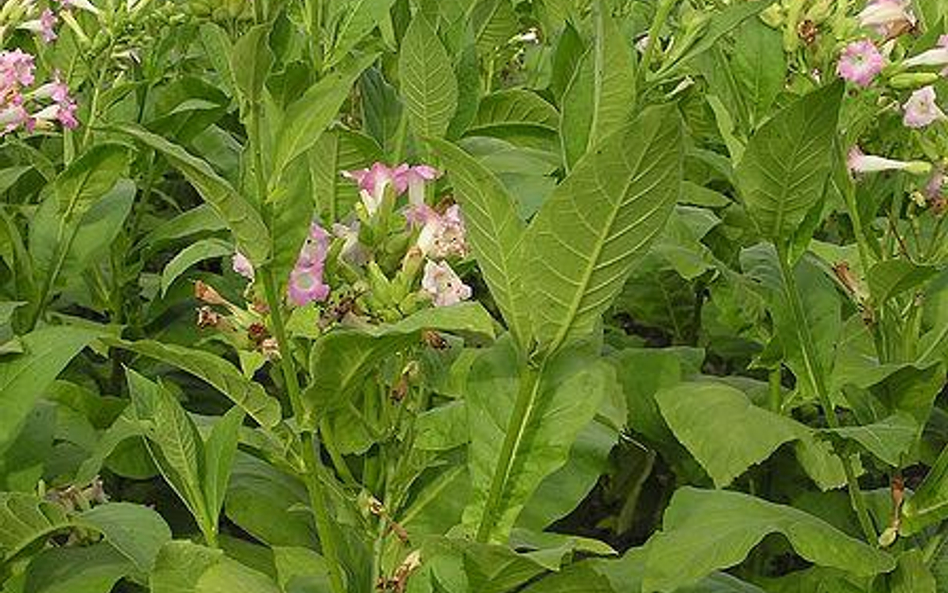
x: 306, y: 280
x: 51, y: 101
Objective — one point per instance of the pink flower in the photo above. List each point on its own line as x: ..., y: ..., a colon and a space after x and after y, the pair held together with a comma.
x: 45, y: 26
x: 443, y: 235
x: 886, y: 17
x: 921, y: 109
x: 860, y: 62
x: 937, y: 56
x: 858, y: 162
x: 306, y: 285
x: 372, y: 184
x: 16, y: 70
x: 443, y: 285
x: 414, y: 179
x: 242, y: 266
x: 933, y: 189
x: 13, y: 117
x: 316, y: 248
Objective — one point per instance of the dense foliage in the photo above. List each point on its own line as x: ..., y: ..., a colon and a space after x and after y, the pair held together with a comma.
x: 432, y: 296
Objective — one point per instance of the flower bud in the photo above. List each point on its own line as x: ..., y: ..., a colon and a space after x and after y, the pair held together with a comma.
x: 912, y: 80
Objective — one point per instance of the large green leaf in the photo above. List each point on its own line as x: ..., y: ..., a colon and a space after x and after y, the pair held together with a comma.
x: 341, y: 360
x: 706, y: 530
x: 494, y: 231
x: 601, y: 95
x: 428, y: 83
x: 245, y: 223
x: 25, y: 377
x: 759, y: 66
x: 24, y: 519
x: 308, y: 117
x: 92, y: 569
x: 523, y: 423
x: 892, y: 277
x: 183, y: 567
x: 88, y: 178
x: 703, y: 417
x: 218, y: 372
x: 135, y: 531
x: 888, y: 439
x: 788, y: 161
x: 590, y: 233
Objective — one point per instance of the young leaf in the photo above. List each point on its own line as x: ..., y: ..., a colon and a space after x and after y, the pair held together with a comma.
x: 523, y: 423
x: 428, y: 83
x: 250, y: 62
x: 309, y: 116
x: 759, y: 66
x: 358, y: 19
x: 192, y: 254
x: 592, y: 231
x: 245, y: 223
x: 217, y: 372
x: 788, y: 161
x: 601, y: 95
x: 219, y: 452
x: 707, y: 530
x: 25, y: 377
x: 495, y: 233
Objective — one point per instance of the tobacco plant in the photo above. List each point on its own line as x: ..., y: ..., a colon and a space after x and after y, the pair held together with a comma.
x: 473, y: 295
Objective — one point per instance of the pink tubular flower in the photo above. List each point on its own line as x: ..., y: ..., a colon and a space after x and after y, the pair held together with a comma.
x: 414, y: 179
x: 16, y: 70
x: 306, y: 280
x: 921, y: 109
x: 372, y: 184
x: 242, y: 266
x: 933, y: 189
x: 860, y: 62
x: 442, y: 235
x: 45, y: 26
x: 443, y: 285
x: 858, y: 162
x: 937, y: 56
x: 12, y: 117
x: 886, y: 17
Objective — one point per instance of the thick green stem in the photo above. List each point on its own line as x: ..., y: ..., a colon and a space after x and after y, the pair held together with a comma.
x: 519, y: 418
x: 317, y: 498
x: 815, y: 375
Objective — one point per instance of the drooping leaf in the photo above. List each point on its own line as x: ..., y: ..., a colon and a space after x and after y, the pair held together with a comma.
x: 788, y: 161
x: 245, y: 223
x: 192, y: 254
x: 495, y: 233
x: 340, y: 360
x: 707, y: 530
x: 523, y: 423
x: 888, y: 439
x: 429, y: 85
x: 25, y: 377
x: 590, y: 233
x: 218, y: 372
x: 309, y: 116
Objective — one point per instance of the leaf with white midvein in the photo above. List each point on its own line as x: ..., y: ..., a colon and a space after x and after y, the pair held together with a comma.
x: 494, y: 231
x: 599, y: 222
x: 788, y: 161
x: 429, y: 85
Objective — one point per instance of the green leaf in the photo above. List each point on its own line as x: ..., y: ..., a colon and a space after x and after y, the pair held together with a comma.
x: 887, y: 439
x: 428, y: 83
x: 88, y: 178
x: 892, y: 277
x: 135, y: 531
x: 523, y: 424
x: 358, y: 19
x: 173, y: 442
x: 308, y: 117
x: 92, y: 569
x: 24, y: 519
x: 578, y: 578
x: 219, y: 451
x: 217, y: 372
x: 590, y: 233
x: 244, y: 222
x: 788, y: 161
x: 201, y: 219
x: 192, y: 254
x: 25, y: 377
x: 759, y: 66
x: 514, y: 107
x: 183, y: 567
x: 301, y: 569
x: 912, y: 575
x: 601, y: 95
x: 250, y: 62
x: 705, y: 417
x: 494, y: 231
x: 929, y: 504
x: 341, y: 360
x: 707, y: 530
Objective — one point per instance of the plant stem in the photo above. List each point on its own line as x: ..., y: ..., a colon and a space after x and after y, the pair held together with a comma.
x: 812, y: 363
x: 317, y: 498
x: 661, y: 17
